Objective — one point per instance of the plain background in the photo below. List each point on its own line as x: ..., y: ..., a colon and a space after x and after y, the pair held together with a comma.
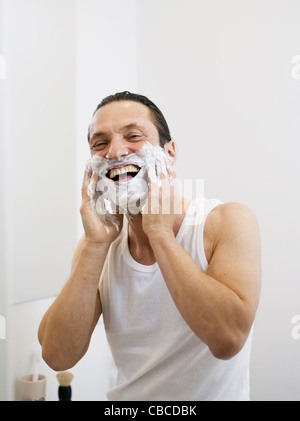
x: 226, y: 76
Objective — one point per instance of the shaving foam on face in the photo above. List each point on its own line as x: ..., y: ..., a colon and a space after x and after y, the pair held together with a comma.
x: 127, y: 197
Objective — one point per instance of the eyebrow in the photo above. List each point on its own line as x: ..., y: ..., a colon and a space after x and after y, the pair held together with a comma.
x: 132, y: 126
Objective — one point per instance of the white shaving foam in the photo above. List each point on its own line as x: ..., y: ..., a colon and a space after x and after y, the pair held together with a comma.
x: 127, y: 197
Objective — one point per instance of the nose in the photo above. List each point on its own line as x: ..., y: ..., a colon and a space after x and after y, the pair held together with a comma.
x: 116, y: 150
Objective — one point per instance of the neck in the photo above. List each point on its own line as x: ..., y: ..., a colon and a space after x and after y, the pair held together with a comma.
x: 138, y: 242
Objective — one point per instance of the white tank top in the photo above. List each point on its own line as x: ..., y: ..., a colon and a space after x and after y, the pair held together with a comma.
x: 157, y: 355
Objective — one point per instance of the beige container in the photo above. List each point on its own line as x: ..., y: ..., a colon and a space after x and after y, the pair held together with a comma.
x: 28, y: 390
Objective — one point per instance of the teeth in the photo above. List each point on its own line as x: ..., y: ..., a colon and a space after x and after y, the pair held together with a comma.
x: 118, y: 171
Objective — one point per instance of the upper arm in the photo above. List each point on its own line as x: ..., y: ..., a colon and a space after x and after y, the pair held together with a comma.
x: 236, y: 258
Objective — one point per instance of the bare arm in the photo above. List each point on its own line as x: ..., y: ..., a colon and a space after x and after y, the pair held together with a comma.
x: 66, y: 328
x: 219, y: 305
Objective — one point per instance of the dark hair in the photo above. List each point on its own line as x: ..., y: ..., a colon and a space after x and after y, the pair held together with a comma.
x: 157, y: 116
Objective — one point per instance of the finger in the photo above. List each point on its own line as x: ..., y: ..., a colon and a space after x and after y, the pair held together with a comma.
x: 86, y: 178
x: 164, y: 169
x: 171, y: 172
x: 151, y: 173
x: 91, y: 188
x: 160, y: 169
x: 86, y: 189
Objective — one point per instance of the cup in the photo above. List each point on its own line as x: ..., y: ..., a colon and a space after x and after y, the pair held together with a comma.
x: 30, y: 390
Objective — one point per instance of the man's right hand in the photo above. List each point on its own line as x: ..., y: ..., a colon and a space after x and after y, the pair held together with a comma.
x: 95, y: 231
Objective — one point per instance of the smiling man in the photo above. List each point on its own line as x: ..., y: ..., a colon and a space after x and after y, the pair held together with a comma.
x: 178, y: 300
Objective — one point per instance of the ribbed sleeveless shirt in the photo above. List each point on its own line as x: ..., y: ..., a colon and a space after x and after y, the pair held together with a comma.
x: 157, y: 355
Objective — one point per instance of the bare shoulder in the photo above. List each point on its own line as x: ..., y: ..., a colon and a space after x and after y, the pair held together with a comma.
x: 230, y: 215
x: 232, y: 221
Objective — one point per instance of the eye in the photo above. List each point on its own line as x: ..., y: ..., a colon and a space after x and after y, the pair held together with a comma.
x: 98, y: 145
x: 133, y: 137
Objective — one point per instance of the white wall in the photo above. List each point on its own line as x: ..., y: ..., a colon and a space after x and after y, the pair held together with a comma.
x: 62, y: 59
x: 39, y: 163
x: 41, y: 158
x: 221, y: 72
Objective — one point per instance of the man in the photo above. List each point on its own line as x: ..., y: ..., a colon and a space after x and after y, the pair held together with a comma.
x: 178, y: 300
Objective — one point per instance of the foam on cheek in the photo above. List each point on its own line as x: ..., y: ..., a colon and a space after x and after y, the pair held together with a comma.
x: 128, y: 197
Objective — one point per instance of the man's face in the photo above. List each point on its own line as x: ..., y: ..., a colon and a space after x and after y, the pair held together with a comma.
x: 121, y: 128
x: 125, y: 150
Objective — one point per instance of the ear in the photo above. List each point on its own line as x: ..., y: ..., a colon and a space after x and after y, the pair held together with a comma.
x: 170, y: 149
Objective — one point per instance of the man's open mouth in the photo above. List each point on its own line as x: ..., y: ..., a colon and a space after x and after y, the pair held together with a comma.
x: 122, y: 174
